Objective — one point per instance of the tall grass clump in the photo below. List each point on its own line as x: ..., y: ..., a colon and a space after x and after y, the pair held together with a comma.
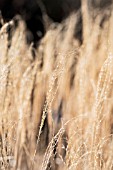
x: 56, y: 109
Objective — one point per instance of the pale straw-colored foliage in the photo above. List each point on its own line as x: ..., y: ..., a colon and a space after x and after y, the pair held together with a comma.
x: 67, y: 78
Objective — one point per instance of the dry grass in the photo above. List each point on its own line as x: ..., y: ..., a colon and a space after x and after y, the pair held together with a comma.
x: 56, y: 110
